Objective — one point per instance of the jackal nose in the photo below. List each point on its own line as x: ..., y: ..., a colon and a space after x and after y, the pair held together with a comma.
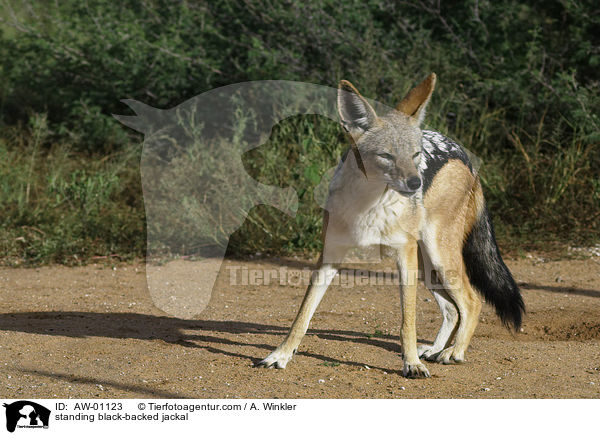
x: 413, y: 183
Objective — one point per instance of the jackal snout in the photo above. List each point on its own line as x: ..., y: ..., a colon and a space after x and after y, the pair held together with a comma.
x: 405, y: 177
x: 406, y: 187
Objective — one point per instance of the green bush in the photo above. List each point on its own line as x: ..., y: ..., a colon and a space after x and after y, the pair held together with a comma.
x: 518, y: 86
x: 61, y: 206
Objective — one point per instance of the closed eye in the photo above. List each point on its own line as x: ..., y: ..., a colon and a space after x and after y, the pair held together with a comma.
x: 386, y: 156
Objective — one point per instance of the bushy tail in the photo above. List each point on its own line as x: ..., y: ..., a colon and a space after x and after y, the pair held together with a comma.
x: 488, y: 273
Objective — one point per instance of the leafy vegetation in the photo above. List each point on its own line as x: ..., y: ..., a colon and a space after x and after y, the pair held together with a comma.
x: 518, y: 86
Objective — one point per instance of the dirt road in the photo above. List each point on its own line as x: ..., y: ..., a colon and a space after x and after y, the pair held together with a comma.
x: 93, y: 332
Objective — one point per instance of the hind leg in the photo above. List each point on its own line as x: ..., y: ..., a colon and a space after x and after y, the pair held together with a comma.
x: 447, y: 330
x: 447, y: 307
x: 469, y: 307
x: 446, y: 259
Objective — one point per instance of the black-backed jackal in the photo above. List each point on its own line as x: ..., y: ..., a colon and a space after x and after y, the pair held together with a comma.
x: 411, y: 190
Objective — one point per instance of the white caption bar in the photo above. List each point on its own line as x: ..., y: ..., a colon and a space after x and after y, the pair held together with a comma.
x: 76, y: 416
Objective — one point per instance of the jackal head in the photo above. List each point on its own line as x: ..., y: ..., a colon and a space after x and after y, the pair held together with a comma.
x: 387, y: 148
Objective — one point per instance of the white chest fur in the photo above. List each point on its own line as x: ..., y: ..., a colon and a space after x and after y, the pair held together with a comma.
x: 365, y: 213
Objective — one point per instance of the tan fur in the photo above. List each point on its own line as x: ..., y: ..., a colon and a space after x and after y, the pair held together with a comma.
x: 453, y: 202
x: 446, y: 201
x: 416, y: 100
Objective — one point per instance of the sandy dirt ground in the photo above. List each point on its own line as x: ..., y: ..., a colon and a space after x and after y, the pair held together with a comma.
x: 93, y: 332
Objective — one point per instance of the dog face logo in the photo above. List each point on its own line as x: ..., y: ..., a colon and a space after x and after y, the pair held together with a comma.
x: 26, y: 414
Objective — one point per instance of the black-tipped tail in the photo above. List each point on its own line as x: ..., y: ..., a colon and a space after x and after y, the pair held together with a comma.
x: 488, y: 273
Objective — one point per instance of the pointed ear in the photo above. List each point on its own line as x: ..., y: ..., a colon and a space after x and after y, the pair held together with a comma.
x: 416, y: 100
x: 356, y: 113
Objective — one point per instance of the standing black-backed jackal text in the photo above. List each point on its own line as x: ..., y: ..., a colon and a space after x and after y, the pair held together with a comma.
x: 411, y: 191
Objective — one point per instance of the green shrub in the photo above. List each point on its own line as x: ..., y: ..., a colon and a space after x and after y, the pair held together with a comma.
x: 58, y: 205
x: 518, y: 86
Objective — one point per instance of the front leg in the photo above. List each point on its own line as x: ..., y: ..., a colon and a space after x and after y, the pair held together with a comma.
x: 408, y: 268
x: 320, y: 281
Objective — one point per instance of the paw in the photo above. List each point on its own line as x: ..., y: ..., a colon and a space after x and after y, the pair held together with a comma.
x: 450, y: 356
x: 278, y: 359
x: 415, y: 371
x: 427, y: 352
